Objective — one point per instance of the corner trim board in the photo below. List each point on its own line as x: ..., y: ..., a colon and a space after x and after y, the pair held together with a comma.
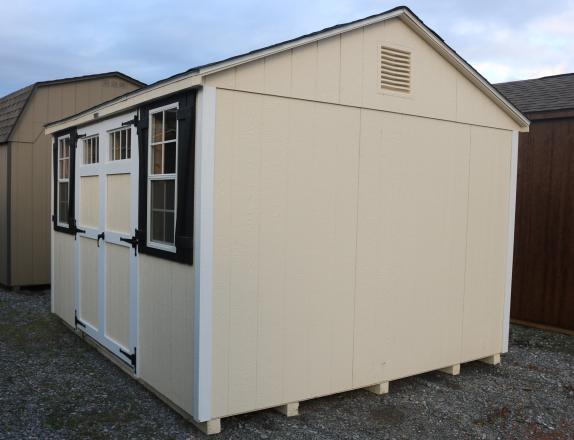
x: 203, y: 252
x: 510, y: 242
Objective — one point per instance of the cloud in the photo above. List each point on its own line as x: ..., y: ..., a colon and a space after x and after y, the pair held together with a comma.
x: 153, y: 39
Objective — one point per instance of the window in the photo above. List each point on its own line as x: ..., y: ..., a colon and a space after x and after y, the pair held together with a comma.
x: 63, y: 180
x: 166, y: 184
x: 121, y: 144
x: 91, y: 150
x: 162, y: 177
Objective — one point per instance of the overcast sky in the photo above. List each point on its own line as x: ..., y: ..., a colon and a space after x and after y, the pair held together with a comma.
x: 153, y: 39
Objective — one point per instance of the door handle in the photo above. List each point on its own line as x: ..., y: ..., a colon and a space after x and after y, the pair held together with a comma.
x: 101, y: 236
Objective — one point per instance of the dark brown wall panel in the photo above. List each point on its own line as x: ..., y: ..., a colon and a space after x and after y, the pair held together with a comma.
x: 543, y: 272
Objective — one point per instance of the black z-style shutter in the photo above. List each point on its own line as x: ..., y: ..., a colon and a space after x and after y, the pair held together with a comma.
x: 185, y: 177
x: 71, y: 228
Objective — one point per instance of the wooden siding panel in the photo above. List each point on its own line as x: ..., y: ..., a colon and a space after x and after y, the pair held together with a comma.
x: 278, y: 74
x: 89, y: 201
x: 63, y: 284
x: 286, y: 195
x: 21, y: 221
x: 166, y: 328
x: 304, y: 73
x: 346, y: 69
x: 118, y: 294
x: 352, y: 68
x: 222, y: 251
x: 411, y: 246
x: 88, y: 310
x: 542, y: 281
x: 328, y: 69
x: 244, y: 261
x: 4, y: 214
x: 486, y: 242
x: 118, y: 196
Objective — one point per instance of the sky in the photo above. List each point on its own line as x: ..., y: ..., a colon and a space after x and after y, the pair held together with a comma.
x: 152, y: 39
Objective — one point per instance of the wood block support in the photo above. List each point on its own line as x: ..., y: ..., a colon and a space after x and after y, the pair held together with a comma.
x: 210, y: 427
x: 380, y: 388
x: 453, y: 370
x: 289, y: 410
x: 491, y: 360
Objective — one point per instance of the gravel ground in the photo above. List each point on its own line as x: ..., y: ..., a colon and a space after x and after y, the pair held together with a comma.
x: 55, y: 386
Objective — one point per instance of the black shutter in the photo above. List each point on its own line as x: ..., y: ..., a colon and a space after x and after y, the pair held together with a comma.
x: 185, y: 177
x: 71, y: 228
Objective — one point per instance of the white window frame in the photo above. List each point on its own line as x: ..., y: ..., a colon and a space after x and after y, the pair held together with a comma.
x: 63, y: 180
x: 151, y: 177
x: 85, y: 140
x: 110, y: 158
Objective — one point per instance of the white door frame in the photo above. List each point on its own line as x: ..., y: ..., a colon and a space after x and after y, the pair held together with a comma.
x: 102, y: 169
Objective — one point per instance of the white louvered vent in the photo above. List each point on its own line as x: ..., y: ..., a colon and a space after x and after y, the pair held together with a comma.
x: 395, y: 69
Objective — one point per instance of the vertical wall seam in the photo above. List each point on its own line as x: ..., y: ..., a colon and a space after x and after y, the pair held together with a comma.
x: 466, y: 248
x: 356, y: 246
x: 258, y: 260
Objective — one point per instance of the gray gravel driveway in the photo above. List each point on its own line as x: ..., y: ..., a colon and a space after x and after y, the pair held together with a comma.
x: 55, y: 386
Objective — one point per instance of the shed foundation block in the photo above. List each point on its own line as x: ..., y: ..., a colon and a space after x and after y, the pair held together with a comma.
x: 289, y: 410
x: 380, y: 388
x: 210, y: 427
x: 453, y: 370
x: 491, y: 360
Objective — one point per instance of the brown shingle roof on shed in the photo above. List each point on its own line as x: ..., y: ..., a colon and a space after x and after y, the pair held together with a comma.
x: 10, y: 108
x: 12, y: 105
x: 541, y: 94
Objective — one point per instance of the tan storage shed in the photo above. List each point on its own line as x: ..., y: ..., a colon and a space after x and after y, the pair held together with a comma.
x: 25, y: 167
x: 329, y: 213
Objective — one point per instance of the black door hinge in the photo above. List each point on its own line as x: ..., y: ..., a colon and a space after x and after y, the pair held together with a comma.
x: 74, y: 228
x: 77, y: 322
x: 134, y: 241
x: 133, y: 122
x: 132, y: 357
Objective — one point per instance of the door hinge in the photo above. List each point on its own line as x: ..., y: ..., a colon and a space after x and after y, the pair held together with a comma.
x: 77, y: 322
x: 134, y: 241
x: 133, y: 121
x: 132, y: 357
x: 74, y: 228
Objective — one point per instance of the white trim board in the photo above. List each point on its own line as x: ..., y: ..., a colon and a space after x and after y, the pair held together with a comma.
x: 194, y: 78
x: 203, y: 253
x: 510, y: 242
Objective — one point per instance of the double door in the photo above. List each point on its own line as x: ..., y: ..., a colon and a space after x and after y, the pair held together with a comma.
x: 106, y: 250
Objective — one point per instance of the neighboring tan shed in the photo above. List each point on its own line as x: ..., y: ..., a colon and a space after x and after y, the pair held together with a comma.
x: 25, y: 167
x: 543, y: 281
x: 329, y: 213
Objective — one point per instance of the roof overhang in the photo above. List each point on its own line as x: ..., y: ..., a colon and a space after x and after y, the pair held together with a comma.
x: 194, y: 77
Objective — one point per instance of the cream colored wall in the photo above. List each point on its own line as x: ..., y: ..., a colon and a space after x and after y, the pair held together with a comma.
x: 31, y: 170
x: 351, y: 246
x: 345, y: 70
x: 4, y: 214
x: 63, y: 299
x: 166, y: 328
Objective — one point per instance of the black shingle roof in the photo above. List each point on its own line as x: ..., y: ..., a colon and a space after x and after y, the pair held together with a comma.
x: 12, y: 105
x: 541, y: 94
